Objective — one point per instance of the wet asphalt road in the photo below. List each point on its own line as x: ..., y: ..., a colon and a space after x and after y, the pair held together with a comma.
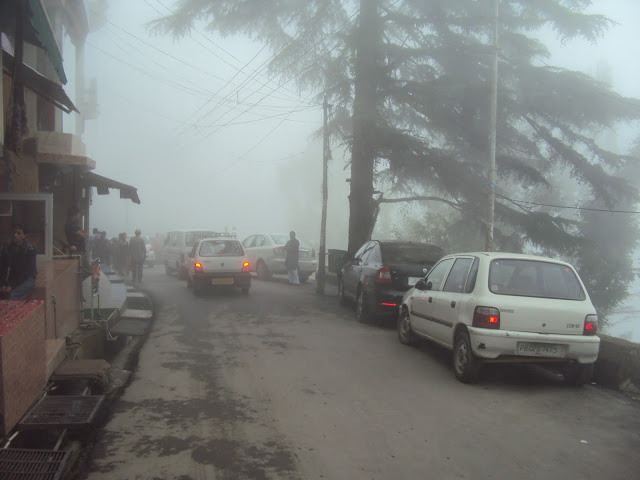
x: 283, y: 384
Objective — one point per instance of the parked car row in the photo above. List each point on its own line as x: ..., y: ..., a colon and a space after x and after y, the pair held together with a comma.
x: 484, y: 307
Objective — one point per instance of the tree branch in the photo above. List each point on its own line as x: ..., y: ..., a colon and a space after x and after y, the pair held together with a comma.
x: 421, y: 198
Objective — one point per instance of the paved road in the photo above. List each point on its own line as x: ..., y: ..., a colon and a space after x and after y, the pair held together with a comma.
x: 283, y: 384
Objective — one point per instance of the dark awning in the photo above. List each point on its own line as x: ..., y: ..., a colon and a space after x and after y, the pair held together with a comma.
x: 36, y: 28
x: 39, y: 84
x: 103, y: 184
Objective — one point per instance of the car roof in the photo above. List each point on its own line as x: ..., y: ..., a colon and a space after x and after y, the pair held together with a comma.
x: 405, y: 242
x: 219, y: 239
x: 516, y: 256
x: 187, y: 230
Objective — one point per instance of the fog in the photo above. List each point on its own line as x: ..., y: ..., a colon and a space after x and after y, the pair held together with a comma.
x: 209, y: 147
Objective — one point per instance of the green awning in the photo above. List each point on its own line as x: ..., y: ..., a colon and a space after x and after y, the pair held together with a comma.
x: 39, y: 84
x: 36, y: 28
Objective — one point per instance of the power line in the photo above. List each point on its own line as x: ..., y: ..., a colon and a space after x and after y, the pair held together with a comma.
x: 243, y: 83
x: 240, y: 70
x: 566, y: 206
x: 297, y: 74
x: 177, y: 59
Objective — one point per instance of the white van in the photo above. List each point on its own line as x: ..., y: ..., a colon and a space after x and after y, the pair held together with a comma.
x: 178, y: 244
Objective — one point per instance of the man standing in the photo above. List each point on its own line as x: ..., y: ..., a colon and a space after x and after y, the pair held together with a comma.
x: 292, y: 250
x: 75, y: 234
x: 18, y: 267
x: 138, y: 253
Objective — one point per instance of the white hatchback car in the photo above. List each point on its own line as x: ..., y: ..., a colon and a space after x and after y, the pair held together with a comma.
x: 216, y: 262
x: 504, y: 307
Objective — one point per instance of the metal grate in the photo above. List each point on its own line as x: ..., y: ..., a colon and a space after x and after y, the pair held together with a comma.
x: 62, y: 411
x: 21, y: 464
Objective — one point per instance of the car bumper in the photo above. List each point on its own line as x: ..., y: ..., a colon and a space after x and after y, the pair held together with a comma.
x: 494, y: 344
x: 386, y: 301
x: 242, y: 279
x: 305, y: 267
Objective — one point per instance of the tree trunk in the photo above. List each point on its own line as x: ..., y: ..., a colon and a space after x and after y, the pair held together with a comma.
x: 363, y: 152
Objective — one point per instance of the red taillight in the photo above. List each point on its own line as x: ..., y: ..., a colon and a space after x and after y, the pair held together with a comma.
x: 150, y: 247
x: 383, y: 275
x: 197, y: 267
x: 279, y: 251
x: 486, y: 317
x: 590, y: 325
x: 245, y: 267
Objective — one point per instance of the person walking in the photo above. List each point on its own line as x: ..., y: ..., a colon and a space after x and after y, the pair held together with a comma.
x: 138, y: 253
x: 292, y: 251
x: 121, y: 254
x: 18, y: 267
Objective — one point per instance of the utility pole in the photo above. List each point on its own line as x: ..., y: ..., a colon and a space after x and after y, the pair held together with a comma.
x: 493, y: 114
x: 320, y: 274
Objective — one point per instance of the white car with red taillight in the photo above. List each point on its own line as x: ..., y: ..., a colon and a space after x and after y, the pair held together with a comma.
x: 504, y: 307
x: 216, y: 262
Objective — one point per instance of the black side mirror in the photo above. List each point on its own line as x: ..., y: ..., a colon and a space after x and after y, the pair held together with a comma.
x: 429, y: 286
x: 420, y: 285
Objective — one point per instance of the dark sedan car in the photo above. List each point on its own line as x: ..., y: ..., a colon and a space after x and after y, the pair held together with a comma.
x: 381, y: 271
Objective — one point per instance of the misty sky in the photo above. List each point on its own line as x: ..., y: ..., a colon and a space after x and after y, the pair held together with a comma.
x: 206, y: 149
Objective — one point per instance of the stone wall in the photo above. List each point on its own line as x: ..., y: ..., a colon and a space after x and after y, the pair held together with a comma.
x: 618, y: 364
x: 22, y: 359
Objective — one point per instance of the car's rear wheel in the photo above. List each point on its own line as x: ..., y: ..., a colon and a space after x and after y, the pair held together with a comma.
x: 189, y: 283
x: 465, y: 363
x: 405, y: 332
x: 262, y: 271
x: 198, y: 288
x: 362, y: 309
x: 303, y: 277
x: 245, y: 290
x: 167, y: 270
x: 577, y: 374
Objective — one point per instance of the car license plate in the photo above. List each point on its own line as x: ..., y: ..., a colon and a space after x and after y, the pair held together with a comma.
x: 540, y: 349
x: 222, y: 281
x: 411, y: 281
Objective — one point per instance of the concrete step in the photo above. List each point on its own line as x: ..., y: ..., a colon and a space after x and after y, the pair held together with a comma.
x: 130, y: 327
x: 138, y: 301
x: 81, y: 370
x: 136, y: 314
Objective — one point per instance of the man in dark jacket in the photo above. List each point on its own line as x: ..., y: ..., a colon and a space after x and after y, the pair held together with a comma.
x: 292, y: 251
x: 138, y: 253
x: 18, y: 267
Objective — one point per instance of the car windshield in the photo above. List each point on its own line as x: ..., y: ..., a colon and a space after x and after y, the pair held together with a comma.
x: 531, y: 278
x: 283, y: 239
x: 194, y: 237
x: 216, y: 248
x: 403, y: 253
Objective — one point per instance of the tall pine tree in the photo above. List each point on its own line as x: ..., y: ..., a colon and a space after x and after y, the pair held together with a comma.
x: 410, y: 85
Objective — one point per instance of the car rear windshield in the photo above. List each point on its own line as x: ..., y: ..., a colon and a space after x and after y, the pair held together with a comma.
x: 399, y: 253
x: 218, y: 248
x: 532, y: 278
x: 194, y: 237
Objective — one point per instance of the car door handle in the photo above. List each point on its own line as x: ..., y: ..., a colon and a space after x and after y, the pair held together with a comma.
x: 453, y: 304
x: 430, y: 299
